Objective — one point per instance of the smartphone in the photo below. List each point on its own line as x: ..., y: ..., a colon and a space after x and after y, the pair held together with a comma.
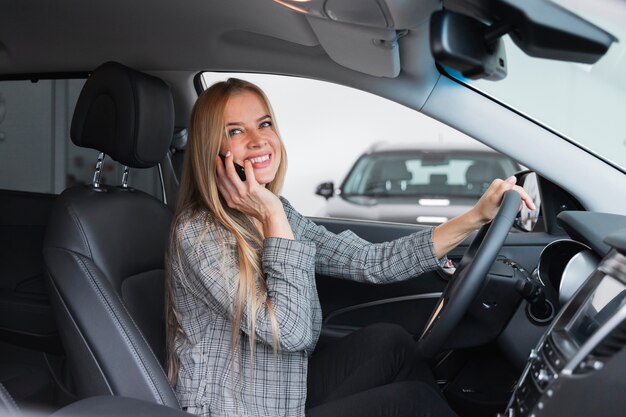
x: 240, y: 170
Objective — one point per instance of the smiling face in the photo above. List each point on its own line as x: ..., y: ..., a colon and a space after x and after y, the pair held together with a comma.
x: 251, y: 135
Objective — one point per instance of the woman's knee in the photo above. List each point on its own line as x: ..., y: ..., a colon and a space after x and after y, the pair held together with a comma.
x: 391, y: 336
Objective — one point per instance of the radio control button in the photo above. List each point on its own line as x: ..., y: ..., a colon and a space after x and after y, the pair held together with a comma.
x: 544, y: 376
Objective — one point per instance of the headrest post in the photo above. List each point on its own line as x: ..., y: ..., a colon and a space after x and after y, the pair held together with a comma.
x: 162, y: 180
x: 96, y: 175
x: 125, y: 177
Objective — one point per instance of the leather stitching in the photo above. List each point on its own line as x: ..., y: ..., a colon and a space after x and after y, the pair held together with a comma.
x: 124, y: 331
x: 73, y: 215
x: 79, y: 331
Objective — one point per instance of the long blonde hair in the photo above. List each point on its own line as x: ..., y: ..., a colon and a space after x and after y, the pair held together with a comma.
x: 199, y: 193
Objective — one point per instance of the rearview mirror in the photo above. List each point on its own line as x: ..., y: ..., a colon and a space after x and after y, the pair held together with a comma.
x: 458, y: 41
x: 467, y: 35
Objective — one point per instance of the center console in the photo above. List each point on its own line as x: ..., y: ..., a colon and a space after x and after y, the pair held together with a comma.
x: 578, y: 367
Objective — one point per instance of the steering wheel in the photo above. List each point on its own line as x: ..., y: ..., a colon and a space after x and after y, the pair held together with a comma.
x: 468, y: 277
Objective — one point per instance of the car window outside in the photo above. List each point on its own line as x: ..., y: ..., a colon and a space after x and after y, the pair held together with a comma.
x: 327, y: 128
x: 445, y: 174
x: 36, y: 153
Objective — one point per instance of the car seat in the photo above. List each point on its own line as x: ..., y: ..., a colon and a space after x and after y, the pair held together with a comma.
x: 104, y: 246
x: 389, y: 175
x: 438, y: 179
x: 480, y: 174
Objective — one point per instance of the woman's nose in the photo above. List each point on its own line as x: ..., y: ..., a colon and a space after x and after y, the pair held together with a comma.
x: 257, y: 139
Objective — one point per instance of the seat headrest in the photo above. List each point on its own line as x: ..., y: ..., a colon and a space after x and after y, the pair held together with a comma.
x: 394, y: 171
x: 483, y: 172
x: 126, y: 114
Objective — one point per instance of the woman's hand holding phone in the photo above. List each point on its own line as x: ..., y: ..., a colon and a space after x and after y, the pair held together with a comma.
x: 240, y: 170
x: 251, y: 198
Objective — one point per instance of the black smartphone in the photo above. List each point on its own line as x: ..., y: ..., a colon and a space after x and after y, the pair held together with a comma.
x: 240, y: 170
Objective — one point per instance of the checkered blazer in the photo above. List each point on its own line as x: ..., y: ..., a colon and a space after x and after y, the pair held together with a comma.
x: 268, y: 384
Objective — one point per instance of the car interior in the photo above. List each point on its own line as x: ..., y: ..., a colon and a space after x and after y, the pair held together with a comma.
x: 529, y: 317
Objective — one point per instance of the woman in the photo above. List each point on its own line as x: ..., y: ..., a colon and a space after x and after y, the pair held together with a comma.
x: 243, y: 311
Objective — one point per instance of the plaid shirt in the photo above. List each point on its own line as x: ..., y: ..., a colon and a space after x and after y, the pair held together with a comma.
x: 270, y: 384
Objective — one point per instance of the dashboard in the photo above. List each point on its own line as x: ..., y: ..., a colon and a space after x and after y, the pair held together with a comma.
x: 577, y: 367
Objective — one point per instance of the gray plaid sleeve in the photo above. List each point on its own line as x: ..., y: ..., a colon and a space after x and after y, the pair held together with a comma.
x: 213, y: 261
x: 289, y: 268
x: 346, y: 255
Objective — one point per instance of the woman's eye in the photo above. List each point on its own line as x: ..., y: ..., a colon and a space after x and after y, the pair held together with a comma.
x: 266, y: 123
x: 233, y: 132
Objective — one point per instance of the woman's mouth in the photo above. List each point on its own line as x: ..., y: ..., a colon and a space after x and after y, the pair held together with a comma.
x: 260, y: 161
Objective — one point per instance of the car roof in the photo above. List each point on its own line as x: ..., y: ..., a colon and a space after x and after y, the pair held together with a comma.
x: 176, y: 39
x: 430, y: 146
x: 65, y: 35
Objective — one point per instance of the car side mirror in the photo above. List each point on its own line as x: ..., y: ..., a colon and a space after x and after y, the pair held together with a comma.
x: 326, y: 189
x: 527, y: 219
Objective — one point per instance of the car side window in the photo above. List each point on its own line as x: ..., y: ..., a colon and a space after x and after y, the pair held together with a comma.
x: 370, y: 158
x: 36, y: 153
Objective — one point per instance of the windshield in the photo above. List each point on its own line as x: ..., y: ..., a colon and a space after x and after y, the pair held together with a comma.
x: 426, y: 174
x: 583, y: 103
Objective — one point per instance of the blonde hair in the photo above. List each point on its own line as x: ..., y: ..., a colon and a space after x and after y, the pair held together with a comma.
x: 199, y: 193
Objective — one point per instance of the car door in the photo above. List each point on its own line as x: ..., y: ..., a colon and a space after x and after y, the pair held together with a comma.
x: 349, y: 305
x: 33, y: 128
x: 26, y: 318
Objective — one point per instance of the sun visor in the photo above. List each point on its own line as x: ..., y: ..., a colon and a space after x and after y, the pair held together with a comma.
x: 365, y: 49
x: 363, y: 35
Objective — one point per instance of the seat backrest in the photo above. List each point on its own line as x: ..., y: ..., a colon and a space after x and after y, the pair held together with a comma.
x: 481, y: 173
x: 104, y: 246
x: 394, y: 171
x: 438, y: 179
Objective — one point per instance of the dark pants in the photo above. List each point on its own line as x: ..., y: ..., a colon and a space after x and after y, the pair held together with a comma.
x: 372, y: 372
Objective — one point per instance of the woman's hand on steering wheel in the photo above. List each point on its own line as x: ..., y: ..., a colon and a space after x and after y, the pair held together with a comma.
x: 449, y: 234
x: 473, y: 267
x: 489, y: 203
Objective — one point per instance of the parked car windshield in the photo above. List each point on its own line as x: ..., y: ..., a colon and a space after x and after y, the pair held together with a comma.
x: 583, y: 103
x: 426, y: 174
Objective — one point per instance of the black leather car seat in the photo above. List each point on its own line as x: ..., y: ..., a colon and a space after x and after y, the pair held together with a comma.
x: 104, y: 247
